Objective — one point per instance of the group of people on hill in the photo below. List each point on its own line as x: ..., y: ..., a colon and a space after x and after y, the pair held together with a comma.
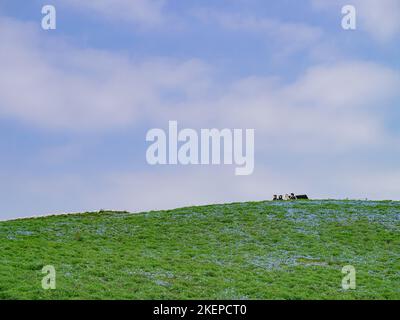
x: 291, y: 196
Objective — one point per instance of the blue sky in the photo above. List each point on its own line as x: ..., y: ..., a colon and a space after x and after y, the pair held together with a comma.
x: 76, y: 102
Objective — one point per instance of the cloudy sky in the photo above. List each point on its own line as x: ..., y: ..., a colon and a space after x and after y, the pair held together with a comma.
x: 76, y: 102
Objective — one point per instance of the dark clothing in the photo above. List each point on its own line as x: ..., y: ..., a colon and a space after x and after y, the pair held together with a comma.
x: 302, y: 196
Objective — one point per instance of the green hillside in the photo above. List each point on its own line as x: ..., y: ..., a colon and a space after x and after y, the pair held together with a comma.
x: 258, y: 250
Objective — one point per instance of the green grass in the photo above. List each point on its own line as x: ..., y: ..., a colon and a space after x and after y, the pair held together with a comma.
x: 260, y: 250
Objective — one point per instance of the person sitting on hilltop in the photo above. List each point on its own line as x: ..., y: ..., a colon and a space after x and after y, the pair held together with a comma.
x: 275, y: 198
x: 280, y: 198
x: 292, y: 196
x: 286, y: 197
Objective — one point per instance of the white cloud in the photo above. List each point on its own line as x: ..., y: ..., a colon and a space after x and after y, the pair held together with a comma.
x: 290, y: 36
x: 54, y: 85
x: 346, y: 85
x: 329, y: 108
x: 380, y: 18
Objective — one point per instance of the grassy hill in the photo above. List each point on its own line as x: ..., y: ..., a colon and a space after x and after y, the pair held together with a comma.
x: 260, y: 250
